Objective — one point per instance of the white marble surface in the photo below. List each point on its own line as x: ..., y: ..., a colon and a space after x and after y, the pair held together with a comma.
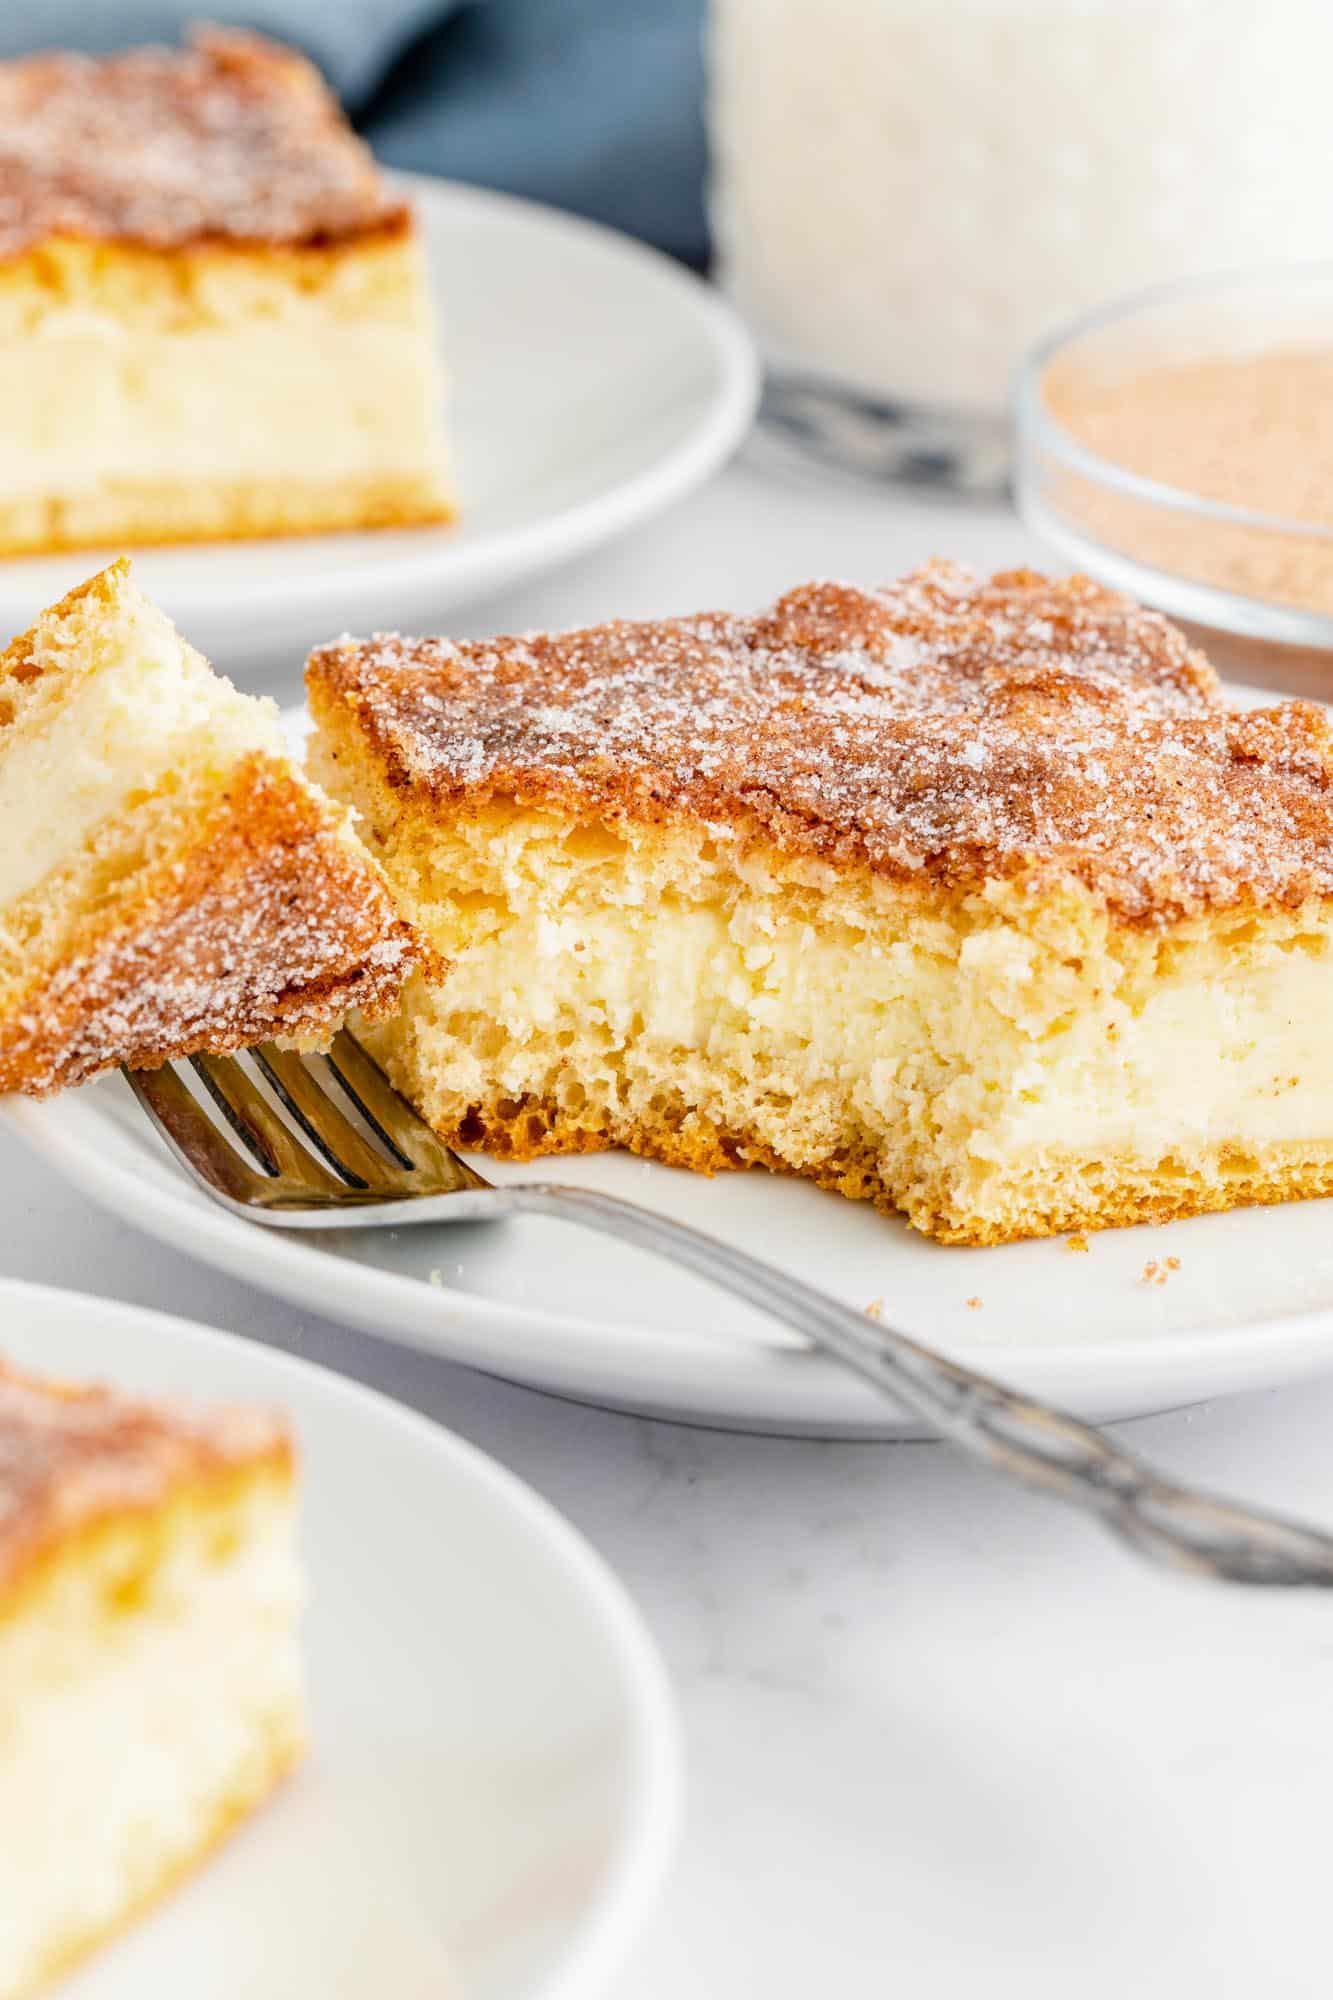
x: 944, y: 1740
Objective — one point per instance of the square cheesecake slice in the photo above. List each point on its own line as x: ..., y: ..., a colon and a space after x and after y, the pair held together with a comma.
x: 169, y: 882
x: 969, y: 898
x: 213, y: 312
x: 150, y: 1678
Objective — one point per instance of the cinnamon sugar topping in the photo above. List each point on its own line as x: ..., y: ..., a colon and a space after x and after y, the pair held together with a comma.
x: 71, y: 1456
x: 940, y: 728
x: 233, y: 137
x: 260, y: 922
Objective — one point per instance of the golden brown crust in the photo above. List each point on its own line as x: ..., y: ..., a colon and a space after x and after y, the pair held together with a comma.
x: 264, y: 920
x: 941, y: 730
x: 233, y: 138
x: 74, y: 1456
x: 1131, y: 1191
x: 145, y: 512
x: 18, y: 661
x: 211, y: 283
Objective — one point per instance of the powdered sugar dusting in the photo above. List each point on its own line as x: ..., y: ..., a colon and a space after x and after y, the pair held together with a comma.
x: 233, y: 137
x: 940, y: 727
x: 265, y: 923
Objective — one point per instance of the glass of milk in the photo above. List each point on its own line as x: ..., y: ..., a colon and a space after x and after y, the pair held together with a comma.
x: 907, y: 193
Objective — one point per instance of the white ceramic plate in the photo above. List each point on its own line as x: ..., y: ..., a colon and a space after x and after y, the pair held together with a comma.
x: 556, y: 1307
x: 593, y: 382
x: 492, y: 1791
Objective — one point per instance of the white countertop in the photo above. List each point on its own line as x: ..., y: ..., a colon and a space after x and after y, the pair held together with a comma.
x: 944, y: 1738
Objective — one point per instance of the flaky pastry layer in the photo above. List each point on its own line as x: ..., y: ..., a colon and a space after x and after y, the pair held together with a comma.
x: 940, y: 730
x: 144, y: 513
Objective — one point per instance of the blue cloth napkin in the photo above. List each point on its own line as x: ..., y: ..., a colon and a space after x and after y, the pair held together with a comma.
x: 593, y: 104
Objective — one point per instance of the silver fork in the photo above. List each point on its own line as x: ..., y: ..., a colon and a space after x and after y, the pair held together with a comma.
x: 324, y: 1169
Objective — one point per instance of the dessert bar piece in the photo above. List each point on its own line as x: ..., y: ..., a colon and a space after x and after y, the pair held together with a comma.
x: 972, y: 899
x: 150, y: 1681
x: 168, y: 881
x: 213, y: 315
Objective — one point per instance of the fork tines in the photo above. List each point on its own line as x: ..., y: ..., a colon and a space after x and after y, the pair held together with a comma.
x: 328, y: 1130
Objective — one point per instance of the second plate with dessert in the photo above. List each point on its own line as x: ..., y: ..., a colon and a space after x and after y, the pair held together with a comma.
x: 490, y: 1791
x: 634, y: 402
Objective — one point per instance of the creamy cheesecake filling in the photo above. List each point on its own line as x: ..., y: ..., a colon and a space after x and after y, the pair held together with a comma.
x: 89, y: 400
x: 836, y: 1016
x: 132, y: 1733
x: 149, y: 706
x: 822, y: 1016
x: 1221, y: 1053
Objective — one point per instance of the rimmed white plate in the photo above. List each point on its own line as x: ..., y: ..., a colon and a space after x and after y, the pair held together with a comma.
x: 1249, y: 1302
x: 491, y: 1796
x: 593, y: 382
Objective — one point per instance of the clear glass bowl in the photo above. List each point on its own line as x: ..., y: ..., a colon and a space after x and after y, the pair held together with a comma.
x: 1253, y: 587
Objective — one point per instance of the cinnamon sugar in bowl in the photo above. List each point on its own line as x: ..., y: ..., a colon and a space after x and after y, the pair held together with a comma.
x: 1179, y: 446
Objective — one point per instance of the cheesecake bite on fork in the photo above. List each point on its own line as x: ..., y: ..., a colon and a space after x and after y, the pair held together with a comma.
x: 169, y: 881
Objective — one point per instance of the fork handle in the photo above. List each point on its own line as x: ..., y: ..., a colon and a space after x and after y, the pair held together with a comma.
x: 1030, y: 1441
